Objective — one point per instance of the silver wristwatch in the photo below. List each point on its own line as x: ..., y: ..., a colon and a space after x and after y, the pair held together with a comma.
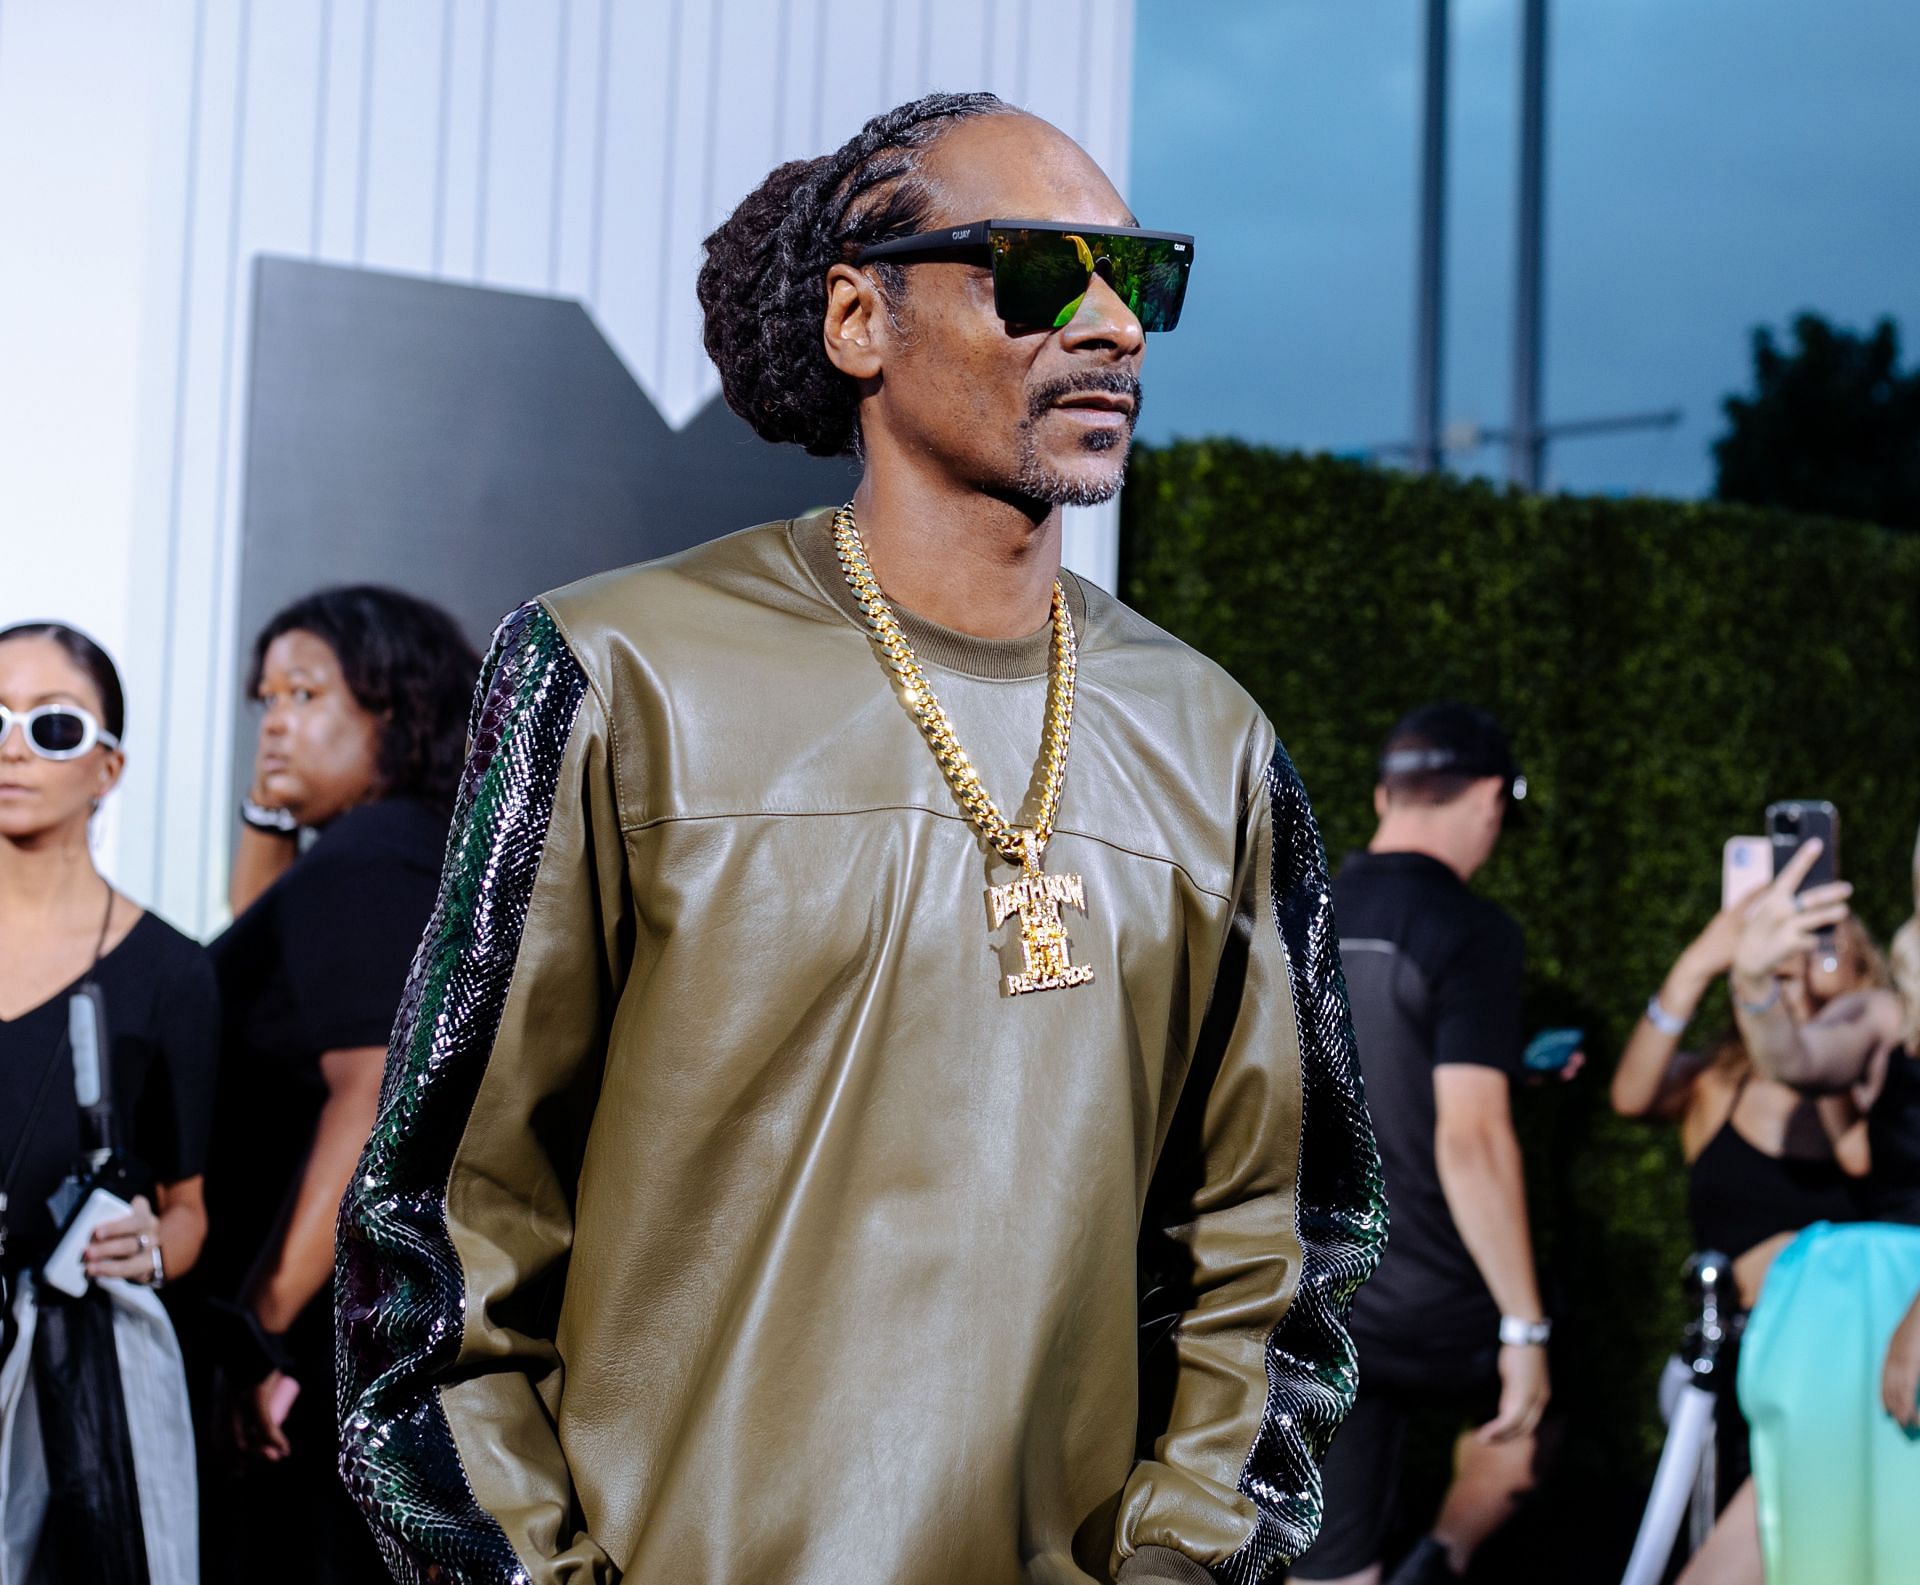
x: 1516, y: 1331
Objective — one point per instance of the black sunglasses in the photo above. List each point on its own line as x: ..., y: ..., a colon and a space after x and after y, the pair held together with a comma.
x: 1043, y: 268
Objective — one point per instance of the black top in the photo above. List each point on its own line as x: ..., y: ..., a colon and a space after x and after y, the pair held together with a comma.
x: 1893, y: 1133
x: 317, y: 964
x: 163, y: 1019
x: 1739, y: 1196
x: 1433, y: 973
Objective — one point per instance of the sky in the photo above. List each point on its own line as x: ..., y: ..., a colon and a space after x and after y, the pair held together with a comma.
x: 1712, y: 166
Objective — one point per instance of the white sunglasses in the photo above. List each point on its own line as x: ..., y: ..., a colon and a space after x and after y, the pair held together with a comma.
x: 56, y: 731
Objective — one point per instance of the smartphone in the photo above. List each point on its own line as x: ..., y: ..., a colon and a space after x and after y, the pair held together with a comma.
x: 1791, y: 824
x: 1552, y: 1049
x: 1746, y: 865
x: 1794, y: 822
x: 63, y: 1269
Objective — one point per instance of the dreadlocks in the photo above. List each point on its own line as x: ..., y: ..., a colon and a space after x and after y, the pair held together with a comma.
x: 763, y: 288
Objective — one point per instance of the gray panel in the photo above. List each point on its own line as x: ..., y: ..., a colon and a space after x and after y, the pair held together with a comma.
x: 471, y: 446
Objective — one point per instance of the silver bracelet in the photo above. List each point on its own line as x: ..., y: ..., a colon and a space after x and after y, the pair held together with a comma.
x: 1663, y: 1020
x: 1518, y: 1332
x: 279, y: 822
x: 159, y: 1265
x: 1765, y: 1005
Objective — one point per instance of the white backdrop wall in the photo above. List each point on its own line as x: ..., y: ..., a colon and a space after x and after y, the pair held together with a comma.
x: 150, y: 149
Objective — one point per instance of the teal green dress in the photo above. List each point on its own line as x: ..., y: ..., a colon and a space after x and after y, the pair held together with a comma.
x: 1837, y: 1480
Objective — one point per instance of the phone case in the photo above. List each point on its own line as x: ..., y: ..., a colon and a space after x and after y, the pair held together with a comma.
x: 280, y: 1405
x: 1551, y: 1050
x: 1792, y: 823
x: 1746, y: 865
x: 63, y: 1269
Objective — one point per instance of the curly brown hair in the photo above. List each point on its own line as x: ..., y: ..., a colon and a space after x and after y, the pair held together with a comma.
x: 763, y: 283
x: 405, y: 662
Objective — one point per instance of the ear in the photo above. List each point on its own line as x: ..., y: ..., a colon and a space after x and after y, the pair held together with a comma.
x: 113, y: 763
x: 854, y: 330
x: 1495, y: 795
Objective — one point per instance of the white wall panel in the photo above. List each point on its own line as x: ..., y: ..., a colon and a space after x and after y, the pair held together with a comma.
x: 339, y: 57
x: 150, y: 150
x: 466, y: 66
x: 632, y: 213
x: 402, y: 144
x: 522, y: 93
x: 149, y: 579
x: 576, y: 166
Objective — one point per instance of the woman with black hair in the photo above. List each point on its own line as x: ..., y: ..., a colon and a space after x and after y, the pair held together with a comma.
x: 363, y: 695
x: 66, y: 935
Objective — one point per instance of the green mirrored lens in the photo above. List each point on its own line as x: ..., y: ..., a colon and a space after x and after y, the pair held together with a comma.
x: 1041, y: 277
x: 1038, y: 276
x: 1150, y: 277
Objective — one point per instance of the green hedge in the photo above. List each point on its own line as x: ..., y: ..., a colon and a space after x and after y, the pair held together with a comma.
x: 1665, y: 668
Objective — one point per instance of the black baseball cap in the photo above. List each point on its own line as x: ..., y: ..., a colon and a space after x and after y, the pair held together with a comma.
x: 1453, y: 739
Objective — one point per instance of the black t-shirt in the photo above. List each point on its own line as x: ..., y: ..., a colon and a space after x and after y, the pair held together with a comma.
x: 1433, y: 973
x: 317, y: 964
x: 1893, y: 1133
x: 163, y: 1021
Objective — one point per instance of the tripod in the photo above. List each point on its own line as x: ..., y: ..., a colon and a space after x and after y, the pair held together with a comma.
x: 1688, y: 1471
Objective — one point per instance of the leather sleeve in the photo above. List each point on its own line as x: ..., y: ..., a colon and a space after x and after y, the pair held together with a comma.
x: 455, y: 1234
x: 1267, y: 1214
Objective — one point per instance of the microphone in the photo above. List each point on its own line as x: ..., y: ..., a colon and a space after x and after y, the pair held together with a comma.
x: 92, y: 1075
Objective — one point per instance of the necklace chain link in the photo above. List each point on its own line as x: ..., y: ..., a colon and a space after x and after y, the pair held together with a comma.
x: 1017, y: 846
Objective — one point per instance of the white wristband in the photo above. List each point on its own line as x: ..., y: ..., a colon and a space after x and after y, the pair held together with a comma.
x: 1663, y: 1020
x: 1516, y: 1331
x: 277, y: 822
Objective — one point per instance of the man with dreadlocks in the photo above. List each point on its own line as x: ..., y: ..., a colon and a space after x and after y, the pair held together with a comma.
x: 822, y: 1146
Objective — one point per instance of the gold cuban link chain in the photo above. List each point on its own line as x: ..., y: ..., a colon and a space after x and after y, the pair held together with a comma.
x: 1016, y: 846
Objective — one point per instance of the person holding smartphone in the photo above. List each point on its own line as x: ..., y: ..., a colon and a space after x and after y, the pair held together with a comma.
x: 1830, y: 1365
x: 1454, y: 1318
x: 1762, y: 1161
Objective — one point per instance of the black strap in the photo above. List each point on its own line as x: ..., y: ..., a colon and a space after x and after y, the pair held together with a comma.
x: 33, y: 1116
x: 19, y: 1151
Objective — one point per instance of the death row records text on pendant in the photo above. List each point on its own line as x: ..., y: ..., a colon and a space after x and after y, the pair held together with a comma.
x: 1075, y: 974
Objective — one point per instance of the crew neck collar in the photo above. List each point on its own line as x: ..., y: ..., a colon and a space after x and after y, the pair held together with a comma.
x: 996, y: 659
x: 1406, y: 860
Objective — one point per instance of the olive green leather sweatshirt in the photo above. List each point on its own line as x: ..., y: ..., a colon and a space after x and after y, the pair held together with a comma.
x: 728, y: 1220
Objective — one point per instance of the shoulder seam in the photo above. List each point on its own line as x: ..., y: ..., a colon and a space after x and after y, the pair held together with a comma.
x: 602, y: 702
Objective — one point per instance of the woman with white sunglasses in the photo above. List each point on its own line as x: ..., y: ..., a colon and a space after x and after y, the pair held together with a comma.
x: 67, y: 936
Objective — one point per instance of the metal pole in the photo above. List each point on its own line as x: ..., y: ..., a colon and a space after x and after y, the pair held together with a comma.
x: 1527, y: 445
x: 1433, y: 195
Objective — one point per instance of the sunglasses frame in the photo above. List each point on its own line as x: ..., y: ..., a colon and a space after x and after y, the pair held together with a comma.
x: 979, y: 234
x: 92, y: 733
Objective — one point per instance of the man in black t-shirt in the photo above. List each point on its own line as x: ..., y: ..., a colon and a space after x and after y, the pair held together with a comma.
x: 1453, y: 1315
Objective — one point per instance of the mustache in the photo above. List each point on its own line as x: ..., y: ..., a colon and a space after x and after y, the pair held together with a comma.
x: 1112, y: 382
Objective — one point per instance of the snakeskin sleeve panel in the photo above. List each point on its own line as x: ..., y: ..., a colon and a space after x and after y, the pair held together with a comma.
x: 1340, y: 1207
x: 401, y: 1296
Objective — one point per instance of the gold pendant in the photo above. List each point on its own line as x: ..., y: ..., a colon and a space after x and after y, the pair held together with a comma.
x: 1036, y: 897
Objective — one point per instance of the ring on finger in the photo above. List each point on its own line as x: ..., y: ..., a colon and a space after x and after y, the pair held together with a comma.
x: 1799, y: 902
x: 143, y: 1241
